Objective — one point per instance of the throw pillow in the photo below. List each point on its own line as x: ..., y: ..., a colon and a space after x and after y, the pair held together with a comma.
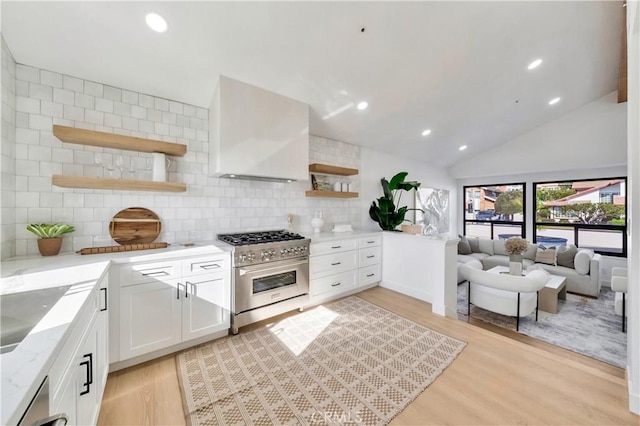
x: 583, y: 261
x: 546, y: 255
x: 566, y: 256
x: 463, y: 245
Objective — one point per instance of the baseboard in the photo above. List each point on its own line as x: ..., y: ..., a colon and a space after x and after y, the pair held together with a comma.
x: 408, y: 291
x: 634, y: 398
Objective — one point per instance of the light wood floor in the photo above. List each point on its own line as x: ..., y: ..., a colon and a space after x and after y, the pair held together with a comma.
x: 498, y: 379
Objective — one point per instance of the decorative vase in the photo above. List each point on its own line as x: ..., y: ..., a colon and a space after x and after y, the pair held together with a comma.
x: 49, y: 246
x: 515, y: 264
x: 317, y: 222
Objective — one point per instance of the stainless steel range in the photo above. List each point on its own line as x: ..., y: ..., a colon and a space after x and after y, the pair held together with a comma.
x: 271, y: 275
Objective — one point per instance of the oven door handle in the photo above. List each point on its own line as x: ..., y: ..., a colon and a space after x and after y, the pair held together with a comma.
x: 261, y: 268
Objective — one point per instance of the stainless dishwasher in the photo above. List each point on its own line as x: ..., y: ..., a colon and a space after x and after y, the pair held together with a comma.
x: 37, y: 413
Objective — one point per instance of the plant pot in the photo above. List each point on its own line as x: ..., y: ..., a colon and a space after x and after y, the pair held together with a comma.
x: 49, y: 246
x: 515, y: 264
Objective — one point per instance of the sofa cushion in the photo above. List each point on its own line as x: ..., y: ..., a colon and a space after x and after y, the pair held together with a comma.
x: 463, y: 245
x: 582, y: 261
x: 532, y: 250
x: 474, y: 243
x: 498, y: 247
x: 485, y: 245
x: 566, y: 255
x: 546, y: 255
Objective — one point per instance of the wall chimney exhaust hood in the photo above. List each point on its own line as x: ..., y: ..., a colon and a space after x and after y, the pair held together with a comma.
x: 257, y: 134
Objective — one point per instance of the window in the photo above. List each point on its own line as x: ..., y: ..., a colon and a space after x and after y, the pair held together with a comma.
x: 494, y: 211
x: 587, y: 213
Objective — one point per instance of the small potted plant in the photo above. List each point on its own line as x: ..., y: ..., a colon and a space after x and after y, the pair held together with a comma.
x: 50, y: 235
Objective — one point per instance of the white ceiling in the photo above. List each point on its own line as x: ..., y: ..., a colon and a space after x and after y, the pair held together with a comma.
x: 457, y: 68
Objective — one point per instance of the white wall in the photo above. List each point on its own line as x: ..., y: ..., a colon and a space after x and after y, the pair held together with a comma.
x: 592, y: 136
x: 633, y: 331
x: 376, y: 165
x: 7, y: 148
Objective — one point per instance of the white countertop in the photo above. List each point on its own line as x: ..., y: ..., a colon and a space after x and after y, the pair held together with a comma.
x: 24, y: 368
x: 331, y: 236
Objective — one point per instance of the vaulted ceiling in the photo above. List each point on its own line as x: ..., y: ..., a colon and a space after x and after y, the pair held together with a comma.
x: 456, y: 68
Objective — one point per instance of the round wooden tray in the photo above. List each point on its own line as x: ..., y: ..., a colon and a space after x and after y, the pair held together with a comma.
x: 135, y: 225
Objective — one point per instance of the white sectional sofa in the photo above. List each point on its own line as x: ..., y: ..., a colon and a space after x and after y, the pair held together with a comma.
x: 582, y: 278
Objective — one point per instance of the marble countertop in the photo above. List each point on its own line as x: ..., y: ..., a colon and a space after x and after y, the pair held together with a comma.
x: 331, y: 236
x: 24, y: 368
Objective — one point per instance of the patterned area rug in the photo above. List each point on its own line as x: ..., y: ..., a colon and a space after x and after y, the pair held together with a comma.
x: 347, y: 361
x: 584, y: 325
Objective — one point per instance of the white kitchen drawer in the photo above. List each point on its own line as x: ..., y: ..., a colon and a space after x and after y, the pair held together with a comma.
x: 138, y: 273
x: 335, y: 246
x: 373, y: 241
x: 205, y: 264
x: 370, y: 256
x: 328, y: 264
x: 369, y: 275
x: 334, y: 284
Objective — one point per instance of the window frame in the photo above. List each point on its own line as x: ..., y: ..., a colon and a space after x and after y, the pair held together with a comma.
x: 523, y: 224
x: 577, y: 226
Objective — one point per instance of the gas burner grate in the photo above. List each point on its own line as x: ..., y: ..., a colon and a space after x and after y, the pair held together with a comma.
x: 246, y: 238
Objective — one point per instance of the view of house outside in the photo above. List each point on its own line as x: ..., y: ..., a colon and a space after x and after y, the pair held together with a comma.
x: 586, y: 213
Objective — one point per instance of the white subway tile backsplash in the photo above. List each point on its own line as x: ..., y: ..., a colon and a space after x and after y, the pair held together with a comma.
x: 112, y: 120
x: 72, y: 83
x: 27, y: 73
x: 74, y: 113
x: 28, y: 105
x: 104, y: 105
x: 38, y: 215
x: 51, y: 109
x: 145, y: 101
x: 161, y: 104
x: 210, y: 205
x: 53, y: 79
x: 112, y: 93
x: 62, y: 96
x: 93, y: 88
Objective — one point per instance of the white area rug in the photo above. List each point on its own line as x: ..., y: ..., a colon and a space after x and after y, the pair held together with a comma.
x: 584, y: 325
x: 347, y: 362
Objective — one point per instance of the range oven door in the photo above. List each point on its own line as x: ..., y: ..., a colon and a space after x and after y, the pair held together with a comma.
x: 261, y: 285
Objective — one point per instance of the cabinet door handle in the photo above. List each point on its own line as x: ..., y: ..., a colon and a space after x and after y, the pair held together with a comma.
x: 210, y: 266
x: 336, y: 247
x: 89, y: 366
x: 335, y: 285
x: 371, y: 256
x: 370, y: 275
x: 155, y: 274
x: 186, y: 288
x: 336, y: 263
x: 105, y: 299
x: 178, y: 290
x: 370, y: 242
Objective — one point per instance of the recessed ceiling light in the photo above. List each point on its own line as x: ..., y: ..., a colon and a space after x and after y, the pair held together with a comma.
x: 426, y: 132
x: 462, y: 148
x: 534, y: 64
x: 554, y: 101
x: 156, y: 22
x: 362, y: 105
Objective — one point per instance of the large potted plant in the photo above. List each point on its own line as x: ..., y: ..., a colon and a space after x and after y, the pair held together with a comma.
x: 385, y: 211
x: 50, y: 235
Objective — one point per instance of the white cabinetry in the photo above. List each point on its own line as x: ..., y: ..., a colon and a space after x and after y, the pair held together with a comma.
x: 245, y: 118
x: 78, y: 376
x: 166, y: 303
x: 341, y: 266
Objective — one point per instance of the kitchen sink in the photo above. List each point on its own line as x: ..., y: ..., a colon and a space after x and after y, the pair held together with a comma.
x: 20, y: 312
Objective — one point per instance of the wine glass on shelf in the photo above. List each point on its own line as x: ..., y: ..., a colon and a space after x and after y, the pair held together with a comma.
x: 120, y: 164
x: 132, y: 167
x: 98, y: 162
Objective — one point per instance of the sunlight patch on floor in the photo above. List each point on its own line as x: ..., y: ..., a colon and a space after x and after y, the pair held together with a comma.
x: 297, y: 332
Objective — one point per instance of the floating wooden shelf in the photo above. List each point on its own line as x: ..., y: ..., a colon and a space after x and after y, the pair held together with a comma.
x: 332, y: 170
x: 110, y: 140
x: 125, y: 184
x: 330, y: 194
